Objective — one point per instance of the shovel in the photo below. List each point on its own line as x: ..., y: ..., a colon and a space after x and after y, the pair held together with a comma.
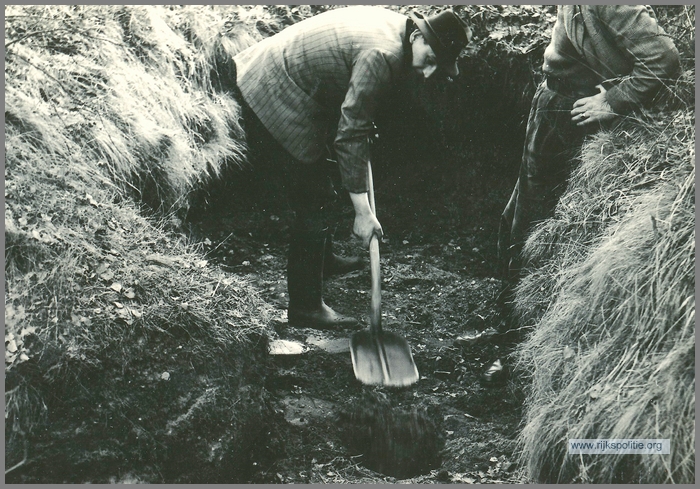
x: 380, y: 357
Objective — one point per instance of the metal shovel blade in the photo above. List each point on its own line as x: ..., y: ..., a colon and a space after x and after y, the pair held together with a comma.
x: 382, y: 359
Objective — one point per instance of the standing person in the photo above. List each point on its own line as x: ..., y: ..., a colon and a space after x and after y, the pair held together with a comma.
x: 603, y: 62
x: 314, y: 86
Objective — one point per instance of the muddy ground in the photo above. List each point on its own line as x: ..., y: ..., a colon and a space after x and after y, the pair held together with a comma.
x: 310, y: 420
x: 439, y: 284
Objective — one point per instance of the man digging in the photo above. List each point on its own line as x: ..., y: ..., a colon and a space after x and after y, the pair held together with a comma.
x: 603, y: 62
x: 311, y: 92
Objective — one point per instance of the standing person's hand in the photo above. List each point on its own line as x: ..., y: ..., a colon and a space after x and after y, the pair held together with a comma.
x: 366, y: 223
x: 591, y: 110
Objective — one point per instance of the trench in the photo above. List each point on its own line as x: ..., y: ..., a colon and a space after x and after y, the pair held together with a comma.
x: 304, y: 418
x: 439, y: 286
x: 444, y: 169
x: 444, y: 165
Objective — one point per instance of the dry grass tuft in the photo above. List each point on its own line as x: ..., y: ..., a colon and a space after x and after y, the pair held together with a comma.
x: 96, y: 291
x: 611, y: 298
x: 109, y: 108
x: 124, y: 347
x: 132, y: 87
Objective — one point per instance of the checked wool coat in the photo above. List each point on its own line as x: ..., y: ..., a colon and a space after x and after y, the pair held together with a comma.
x: 328, y: 71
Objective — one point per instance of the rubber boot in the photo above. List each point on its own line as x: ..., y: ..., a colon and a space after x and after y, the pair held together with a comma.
x: 339, y: 265
x: 305, y: 286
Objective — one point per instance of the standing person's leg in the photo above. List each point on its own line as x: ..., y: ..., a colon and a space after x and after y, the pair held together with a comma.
x: 509, y: 232
x: 551, y: 142
x: 310, y: 194
x: 335, y: 264
x: 339, y: 265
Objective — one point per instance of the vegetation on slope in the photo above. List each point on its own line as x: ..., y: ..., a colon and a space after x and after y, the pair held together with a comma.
x: 129, y: 357
x: 610, y: 298
x: 123, y: 345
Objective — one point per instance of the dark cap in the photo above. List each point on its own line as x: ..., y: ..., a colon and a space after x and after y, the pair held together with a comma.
x: 446, y: 34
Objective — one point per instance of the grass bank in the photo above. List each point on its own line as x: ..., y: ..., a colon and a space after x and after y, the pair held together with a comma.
x: 610, y: 298
x: 128, y: 356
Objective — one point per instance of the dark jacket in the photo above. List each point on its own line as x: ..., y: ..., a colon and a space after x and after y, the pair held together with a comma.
x: 622, y: 44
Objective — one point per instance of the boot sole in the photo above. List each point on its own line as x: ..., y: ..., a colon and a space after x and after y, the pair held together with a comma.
x: 309, y: 323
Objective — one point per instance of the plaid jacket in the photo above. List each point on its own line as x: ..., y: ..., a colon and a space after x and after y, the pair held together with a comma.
x: 623, y: 43
x: 326, y: 71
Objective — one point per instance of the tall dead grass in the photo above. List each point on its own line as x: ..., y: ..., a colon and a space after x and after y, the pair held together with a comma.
x: 132, y: 86
x: 97, y: 295
x: 610, y: 296
x: 108, y: 108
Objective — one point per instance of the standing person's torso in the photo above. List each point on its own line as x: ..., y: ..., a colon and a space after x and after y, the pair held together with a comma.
x: 296, y: 81
x: 621, y: 46
x: 582, y: 50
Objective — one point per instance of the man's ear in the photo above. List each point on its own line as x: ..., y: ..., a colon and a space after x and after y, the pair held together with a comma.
x: 414, y: 35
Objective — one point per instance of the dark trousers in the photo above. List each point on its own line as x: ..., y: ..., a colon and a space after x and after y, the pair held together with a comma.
x: 311, y: 193
x: 310, y: 189
x: 552, y: 141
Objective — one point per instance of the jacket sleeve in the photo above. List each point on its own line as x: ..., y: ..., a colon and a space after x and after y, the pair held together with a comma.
x: 653, y: 55
x: 372, y: 73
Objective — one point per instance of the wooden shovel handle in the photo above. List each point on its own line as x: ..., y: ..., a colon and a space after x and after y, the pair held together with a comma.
x: 370, y: 184
x: 375, y: 317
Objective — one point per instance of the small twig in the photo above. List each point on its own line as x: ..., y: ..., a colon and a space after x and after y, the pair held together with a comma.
x: 220, y: 243
x: 218, y: 282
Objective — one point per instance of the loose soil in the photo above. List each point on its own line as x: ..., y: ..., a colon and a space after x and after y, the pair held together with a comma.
x: 438, y: 285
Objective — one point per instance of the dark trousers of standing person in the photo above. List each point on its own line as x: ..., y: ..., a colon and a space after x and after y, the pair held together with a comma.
x: 552, y: 140
x: 551, y: 143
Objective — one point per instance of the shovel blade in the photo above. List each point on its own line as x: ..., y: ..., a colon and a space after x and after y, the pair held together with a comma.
x: 382, y: 359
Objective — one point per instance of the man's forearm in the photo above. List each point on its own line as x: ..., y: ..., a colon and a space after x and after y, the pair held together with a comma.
x: 353, y: 154
x: 366, y: 224
x: 655, y: 56
x: 360, y: 201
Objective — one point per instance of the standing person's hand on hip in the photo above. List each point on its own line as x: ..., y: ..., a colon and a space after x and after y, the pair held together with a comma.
x: 589, y: 110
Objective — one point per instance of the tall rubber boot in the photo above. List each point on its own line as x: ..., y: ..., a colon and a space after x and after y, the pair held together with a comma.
x: 305, y: 286
x: 339, y: 265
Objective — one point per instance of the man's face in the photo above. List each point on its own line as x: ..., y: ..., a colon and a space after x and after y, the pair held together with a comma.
x: 424, y: 60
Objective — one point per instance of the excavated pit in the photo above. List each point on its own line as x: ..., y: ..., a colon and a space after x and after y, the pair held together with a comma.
x: 397, y: 442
